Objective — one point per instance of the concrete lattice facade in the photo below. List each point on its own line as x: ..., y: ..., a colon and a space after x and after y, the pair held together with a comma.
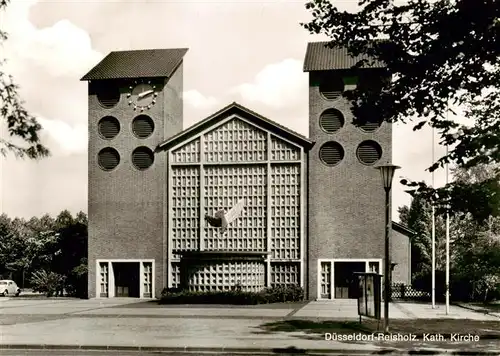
x: 236, y: 160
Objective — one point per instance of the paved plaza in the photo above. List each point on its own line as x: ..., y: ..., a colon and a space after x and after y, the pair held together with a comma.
x: 124, y: 323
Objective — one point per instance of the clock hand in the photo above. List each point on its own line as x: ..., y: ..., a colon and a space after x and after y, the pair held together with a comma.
x: 142, y: 95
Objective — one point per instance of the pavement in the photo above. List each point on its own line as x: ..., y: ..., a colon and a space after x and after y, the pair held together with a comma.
x: 122, y: 324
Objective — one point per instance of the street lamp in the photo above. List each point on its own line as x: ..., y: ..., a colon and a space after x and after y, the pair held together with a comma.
x: 387, y: 174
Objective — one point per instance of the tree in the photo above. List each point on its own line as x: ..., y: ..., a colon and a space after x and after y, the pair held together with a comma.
x: 23, y: 128
x: 418, y: 217
x: 72, y: 261
x: 437, y: 53
x: 474, y: 246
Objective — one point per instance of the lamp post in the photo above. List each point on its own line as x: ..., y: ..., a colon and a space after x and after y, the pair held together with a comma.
x: 387, y: 174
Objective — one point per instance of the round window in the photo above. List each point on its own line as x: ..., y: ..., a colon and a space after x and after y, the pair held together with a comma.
x: 108, y: 158
x: 331, y: 87
x: 331, y: 153
x: 331, y: 120
x: 369, y: 152
x: 109, y: 127
x: 142, y: 158
x: 143, y: 126
x: 108, y: 94
x: 370, y: 126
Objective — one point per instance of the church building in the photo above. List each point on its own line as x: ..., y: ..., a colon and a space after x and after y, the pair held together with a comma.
x: 312, y: 207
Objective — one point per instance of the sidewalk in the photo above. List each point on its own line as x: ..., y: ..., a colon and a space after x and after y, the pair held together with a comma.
x: 193, y: 333
x: 118, y: 324
x: 339, y: 310
x: 347, y: 309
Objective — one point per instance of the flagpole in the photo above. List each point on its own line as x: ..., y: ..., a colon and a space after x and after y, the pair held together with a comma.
x: 433, y: 235
x: 447, y: 241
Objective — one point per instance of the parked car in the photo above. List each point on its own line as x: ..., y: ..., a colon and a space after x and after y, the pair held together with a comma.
x: 9, y: 287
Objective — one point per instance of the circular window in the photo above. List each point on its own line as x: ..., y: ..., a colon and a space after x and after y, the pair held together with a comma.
x: 143, y: 126
x: 108, y: 94
x: 109, y: 127
x: 331, y: 120
x: 369, y: 152
x: 370, y: 126
x: 108, y: 158
x: 331, y: 87
x: 331, y: 153
x: 142, y: 158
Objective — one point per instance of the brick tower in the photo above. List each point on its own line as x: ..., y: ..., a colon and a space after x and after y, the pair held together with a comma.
x: 346, y: 197
x: 135, y: 102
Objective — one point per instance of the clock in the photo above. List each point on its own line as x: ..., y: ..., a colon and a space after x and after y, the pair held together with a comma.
x: 142, y: 95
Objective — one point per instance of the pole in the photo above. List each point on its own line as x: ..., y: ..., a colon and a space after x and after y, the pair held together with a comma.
x: 447, y: 248
x: 387, y: 288
x: 433, y: 236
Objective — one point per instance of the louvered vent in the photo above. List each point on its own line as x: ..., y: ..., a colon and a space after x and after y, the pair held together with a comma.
x: 369, y: 152
x: 109, y: 127
x: 143, y: 126
x: 331, y: 87
x: 142, y: 158
x: 108, y: 158
x: 331, y: 153
x: 108, y: 95
x: 331, y: 120
x: 370, y: 126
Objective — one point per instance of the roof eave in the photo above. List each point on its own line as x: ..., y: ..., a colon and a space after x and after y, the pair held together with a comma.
x: 403, y: 229
x: 88, y: 76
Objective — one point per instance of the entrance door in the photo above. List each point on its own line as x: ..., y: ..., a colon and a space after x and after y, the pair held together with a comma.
x: 345, y: 280
x: 126, y: 279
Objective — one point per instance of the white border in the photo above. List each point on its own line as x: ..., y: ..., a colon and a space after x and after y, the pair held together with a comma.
x: 332, y: 274
x: 111, y: 277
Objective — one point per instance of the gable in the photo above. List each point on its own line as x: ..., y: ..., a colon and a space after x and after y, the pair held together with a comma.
x: 189, y: 153
x: 231, y: 111
x: 283, y: 151
x: 235, y: 140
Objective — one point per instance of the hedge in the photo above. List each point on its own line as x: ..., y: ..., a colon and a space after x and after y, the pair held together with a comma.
x: 280, y: 294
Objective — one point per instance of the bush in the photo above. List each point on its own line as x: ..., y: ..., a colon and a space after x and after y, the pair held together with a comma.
x: 47, y: 282
x: 279, y: 294
x: 77, y: 281
x: 462, y: 287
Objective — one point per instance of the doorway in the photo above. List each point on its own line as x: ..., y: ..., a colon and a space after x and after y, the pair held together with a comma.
x: 345, y: 282
x: 127, y: 279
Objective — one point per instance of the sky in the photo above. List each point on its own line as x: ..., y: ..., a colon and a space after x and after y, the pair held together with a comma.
x: 247, y: 51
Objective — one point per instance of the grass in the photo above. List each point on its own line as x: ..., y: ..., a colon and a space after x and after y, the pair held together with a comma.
x: 487, y: 307
x: 485, y: 329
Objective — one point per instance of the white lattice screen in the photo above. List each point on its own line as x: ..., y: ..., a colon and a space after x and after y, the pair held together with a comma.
x: 185, y: 208
x: 326, y: 286
x: 238, y: 161
x: 236, y: 141
x: 189, y: 153
x: 225, y: 275
x: 224, y: 186
x: 103, y: 266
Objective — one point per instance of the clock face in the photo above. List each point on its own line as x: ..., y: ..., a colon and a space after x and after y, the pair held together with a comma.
x: 142, y: 96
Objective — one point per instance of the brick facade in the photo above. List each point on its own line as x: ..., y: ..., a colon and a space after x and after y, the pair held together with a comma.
x: 346, y: 202
x: 126, y: 206
x: 401, y: 254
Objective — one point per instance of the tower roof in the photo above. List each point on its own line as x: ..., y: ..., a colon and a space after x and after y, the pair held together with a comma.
x: 147, y: 63
x: 319, y: 56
